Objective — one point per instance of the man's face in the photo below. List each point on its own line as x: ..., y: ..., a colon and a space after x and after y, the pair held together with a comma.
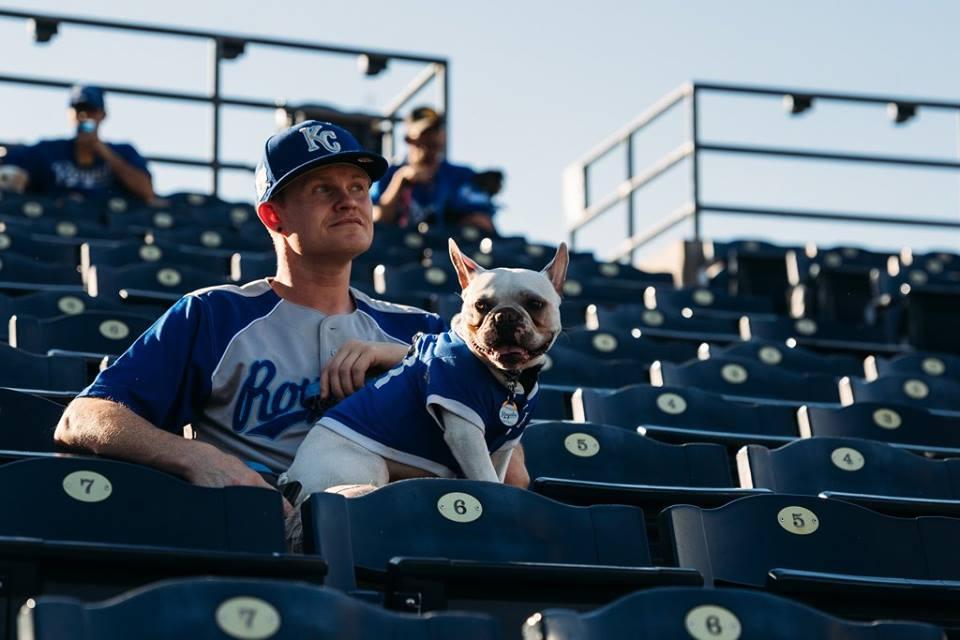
x: 86, y: 112
x: 427, y: 149
x: 327, y: 212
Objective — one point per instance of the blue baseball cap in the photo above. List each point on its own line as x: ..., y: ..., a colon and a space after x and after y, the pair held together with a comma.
x: 87, y: 95
x: 308, y: 145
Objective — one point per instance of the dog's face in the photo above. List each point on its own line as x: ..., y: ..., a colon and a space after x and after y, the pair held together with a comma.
x: 510, y: 317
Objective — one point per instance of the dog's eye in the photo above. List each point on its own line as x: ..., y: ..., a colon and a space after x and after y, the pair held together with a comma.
x: 482, y: 306
x: 535, y: 305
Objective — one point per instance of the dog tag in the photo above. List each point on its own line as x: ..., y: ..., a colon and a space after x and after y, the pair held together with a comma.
x: 604, y: 342
x: 887, y: 419
x: 572, y: 288
x: 918, y: 277
x: 71, y: 305
x: 847, y: 459
x: 582, y: 445
x: 114, y: 329
x: 5, y: 242
x: 211, y: 239
x: 770, y: 355
x: 168, y: 277
x: 734, y: 373
x: 162, y: 220
x: 248, y: 618
x: 798, y: 520
x: 710, y: 622
x: 459, y: 507
x: 652, y: 317
x: 32, y: 209
x: 239, y: 215
x: 66, y: 229
x: 87, y: 486
x: 117, y: 205
x: 916, y: 389
x: 150, y: 253
x: 703, y: 297
x: 435, y: 276
x: 806, y: 327
x: 509, y: 414
x: 933, y: 366
x: 671, y: 403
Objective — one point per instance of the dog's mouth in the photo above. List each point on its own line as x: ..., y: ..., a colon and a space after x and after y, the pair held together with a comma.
x: 510, y: 356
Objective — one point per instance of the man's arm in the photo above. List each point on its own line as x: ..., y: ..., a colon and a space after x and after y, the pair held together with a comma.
x: 137, y: 181
x: 109, y: 429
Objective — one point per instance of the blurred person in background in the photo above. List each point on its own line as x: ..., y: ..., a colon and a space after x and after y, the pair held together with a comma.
x: 83, y: 164
x: 428, y: 188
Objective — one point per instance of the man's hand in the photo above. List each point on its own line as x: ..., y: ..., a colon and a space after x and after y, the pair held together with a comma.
x: 210, y: 467
x: 347, y: 371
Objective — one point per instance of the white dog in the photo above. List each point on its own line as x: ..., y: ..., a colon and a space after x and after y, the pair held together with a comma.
x: 458, y: 402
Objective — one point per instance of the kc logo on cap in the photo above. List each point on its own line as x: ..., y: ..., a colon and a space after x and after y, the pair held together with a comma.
x: 309, y: 145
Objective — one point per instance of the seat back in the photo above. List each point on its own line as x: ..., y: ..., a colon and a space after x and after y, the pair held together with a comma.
x: 923, y: 392
x: 796, y: 359
x: 24, y: 370
x: 885, y: 422
x: 92, y: 332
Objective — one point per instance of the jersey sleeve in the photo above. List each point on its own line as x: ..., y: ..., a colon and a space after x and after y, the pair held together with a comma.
x: 452, y: 388
x: 132, y: 156
x: 469, y: 199
x: 166, y: 373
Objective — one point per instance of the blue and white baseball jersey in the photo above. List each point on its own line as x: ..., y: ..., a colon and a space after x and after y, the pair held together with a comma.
x: 54, y: 171
x: 398, y: 415
x: 237, y: 364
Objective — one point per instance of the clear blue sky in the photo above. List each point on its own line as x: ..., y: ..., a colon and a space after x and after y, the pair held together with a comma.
x: 536, y: 84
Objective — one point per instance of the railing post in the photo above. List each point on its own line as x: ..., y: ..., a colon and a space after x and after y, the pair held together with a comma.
x: 631, y: 224
x: 445, y: 94
x: 215, y: 104
x: 695, y: 163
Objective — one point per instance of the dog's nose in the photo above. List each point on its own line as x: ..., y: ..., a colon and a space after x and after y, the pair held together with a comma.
x: 507, y: 316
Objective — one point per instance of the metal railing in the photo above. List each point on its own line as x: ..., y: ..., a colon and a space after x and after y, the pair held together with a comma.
x: 584, y: 208
x: 229, y: 47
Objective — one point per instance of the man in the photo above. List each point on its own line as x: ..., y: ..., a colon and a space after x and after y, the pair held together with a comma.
x: 83, y: 164
x: 427, y: 188
x: 251, y: 367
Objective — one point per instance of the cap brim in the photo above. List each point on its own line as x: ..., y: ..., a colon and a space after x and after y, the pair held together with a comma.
x: 372, y: 164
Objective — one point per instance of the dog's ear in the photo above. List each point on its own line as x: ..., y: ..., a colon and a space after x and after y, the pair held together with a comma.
x: 466, y: 268
x: 556, y: 271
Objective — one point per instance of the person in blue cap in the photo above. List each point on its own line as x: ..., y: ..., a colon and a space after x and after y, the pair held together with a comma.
x: 83, y: 164
x: 251, y: 367
x: 428, y: 188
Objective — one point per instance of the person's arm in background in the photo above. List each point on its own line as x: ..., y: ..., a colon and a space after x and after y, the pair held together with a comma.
x: 387, y: 199
x: 128, y: 166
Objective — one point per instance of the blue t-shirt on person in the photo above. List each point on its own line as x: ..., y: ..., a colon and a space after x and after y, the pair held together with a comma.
x: 53, y: 169
x: 399, y: 415
x: 450, y: 195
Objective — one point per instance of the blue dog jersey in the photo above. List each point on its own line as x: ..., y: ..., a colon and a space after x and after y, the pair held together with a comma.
x: 53, y: 170
x: 398, y: 416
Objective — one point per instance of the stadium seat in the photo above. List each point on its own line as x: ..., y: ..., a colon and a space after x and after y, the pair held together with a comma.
x: 22, y: 370
x: 656, y: 323
x: 91, y: 333
x: 227, y: 240
x: 685, y: 414
x: 617, y: 344
x: 134, y: 253
x: 431, y: 543
x: 153, y: 283
x: 934, y: 365
x: 839, y: 553
x: 873, y: 474
x: 600, y: 273
x: 43, y: 249
x: 586, y: 464
x: 748, y: 379
x: 758, y: 269
x: 904, y: 426
x: 415, y: 278
x: 18, y: 274
x: 678, y: 613
x: 215, y: 608
x: 821, y: 335
x: 675, y: 300
x: 796, y: 359
x: 566, y: 367
x: 931, y: 318
x: 922, y: 392
x: 50, y: 304
x: 26, y: 424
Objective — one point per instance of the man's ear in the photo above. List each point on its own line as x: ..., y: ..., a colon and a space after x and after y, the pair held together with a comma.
x: 556, y: 271
x: 466, y: 268
x: 269, y: 216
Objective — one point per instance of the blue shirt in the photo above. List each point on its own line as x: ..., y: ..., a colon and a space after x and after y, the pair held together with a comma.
x: 449, y: 196
x: 53, y: 169
x: 239, y: 364
x: 398, y: 416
